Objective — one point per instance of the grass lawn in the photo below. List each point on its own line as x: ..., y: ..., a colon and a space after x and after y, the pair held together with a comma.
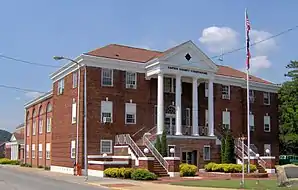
x: 233, y: 184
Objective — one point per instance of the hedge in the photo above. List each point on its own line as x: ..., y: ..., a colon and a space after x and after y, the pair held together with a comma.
x: 228, y: 168
x: 187, y: 170
x: 129, y: 173
x: 8, y: 161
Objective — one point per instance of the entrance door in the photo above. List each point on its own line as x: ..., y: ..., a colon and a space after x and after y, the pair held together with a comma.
x: 190, y: 157
x: 170, y: 125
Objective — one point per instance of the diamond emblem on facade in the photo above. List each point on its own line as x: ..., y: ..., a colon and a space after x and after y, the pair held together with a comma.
x: 187, y: 57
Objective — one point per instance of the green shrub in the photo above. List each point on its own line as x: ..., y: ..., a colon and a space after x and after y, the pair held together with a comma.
x: 227, y: 168
x: 158, y: 144
x: 164, y: 144
x: 112, y: 172
x: 40, y: 166
x: 187, y: 170
x: 143, y: 174
x: 8, y: 161
x: 125, y: 172
x: 47, y: 168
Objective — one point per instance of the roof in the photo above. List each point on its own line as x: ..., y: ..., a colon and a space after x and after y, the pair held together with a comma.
x: 127, y: 53
x: 39, y: 99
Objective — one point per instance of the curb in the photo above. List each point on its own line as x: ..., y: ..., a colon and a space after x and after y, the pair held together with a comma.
x: 102, y: 186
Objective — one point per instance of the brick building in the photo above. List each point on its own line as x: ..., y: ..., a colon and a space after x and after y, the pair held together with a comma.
x: 135, y: 91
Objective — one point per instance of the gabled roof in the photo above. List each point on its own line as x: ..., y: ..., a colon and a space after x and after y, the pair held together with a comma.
x: 127, y: 53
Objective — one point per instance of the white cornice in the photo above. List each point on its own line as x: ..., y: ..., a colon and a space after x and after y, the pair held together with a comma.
x: 38, y: 99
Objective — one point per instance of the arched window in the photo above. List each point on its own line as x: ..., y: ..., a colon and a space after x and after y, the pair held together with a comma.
x: 40, y: 120
x: 27, y: 125
x: 34, y: 113
x: 49, y: 107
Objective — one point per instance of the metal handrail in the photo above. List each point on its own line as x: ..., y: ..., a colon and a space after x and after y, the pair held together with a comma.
x: 126, y: 139
x: 138, y: 131
x: 261, y: 161
x: 155, y: 153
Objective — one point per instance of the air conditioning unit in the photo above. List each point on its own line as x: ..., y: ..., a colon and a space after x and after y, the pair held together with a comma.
x: 130, y: 86
x: 107, y: 120
x: 225, y: 96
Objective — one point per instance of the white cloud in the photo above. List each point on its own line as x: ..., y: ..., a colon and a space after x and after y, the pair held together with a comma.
x: 217, y: 39
x: 262, y: 48
x: 18, y: 98
x: 258, y: 63
x: 33, y: 94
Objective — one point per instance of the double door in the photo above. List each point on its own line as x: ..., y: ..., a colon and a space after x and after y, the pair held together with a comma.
x: 170, y: 125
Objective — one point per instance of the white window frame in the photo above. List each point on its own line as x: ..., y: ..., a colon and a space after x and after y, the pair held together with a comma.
x: 206, y: 156
x: 28, y: 130
x: 187, y: 117
x: 169, y: 84
x: 252, y: 122
x: 101, y: 147
x: 131, y: 80
x: 40, y: 126
x: 73, y: 111
x: 60, y: 89
x: 75, y: 79
x: 225, y: 92
x: 266, y: 98
x: 226, y: 121
x: 131, y: 110
x: 106, y: 110
x: 251, y: 96
x: 39, y: 150
x: 27, y: 150
x: 33, y: 151
x: 49, y: 124
x: 267, y: 121
x: 105, y: 78
x: 73, y: 149
x: 48, y: 151
x: 206, y: 89
x: 34, y: 127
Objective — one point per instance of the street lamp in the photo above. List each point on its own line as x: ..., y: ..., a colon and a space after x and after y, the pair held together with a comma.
x: 57, y: 58
x: 172, y: 151
x: 267, y: 152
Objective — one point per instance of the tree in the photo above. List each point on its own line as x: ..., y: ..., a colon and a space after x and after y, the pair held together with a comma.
x: 164, y: 144
x: 229, y: 155
x: 158, y: 144
x: 288, y: 111
x: 222, y: 152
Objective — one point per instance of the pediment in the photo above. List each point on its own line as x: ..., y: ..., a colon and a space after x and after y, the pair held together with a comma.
x: 188, y: 55
x: 13, y: 138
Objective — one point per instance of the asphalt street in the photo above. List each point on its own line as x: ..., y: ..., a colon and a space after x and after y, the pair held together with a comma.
x: 11, y: 179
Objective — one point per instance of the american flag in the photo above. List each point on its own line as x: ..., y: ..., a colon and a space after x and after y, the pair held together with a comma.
x: 247, y: 23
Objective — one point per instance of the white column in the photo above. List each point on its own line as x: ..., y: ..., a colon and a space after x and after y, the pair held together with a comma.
x: 195, y: 110
x: 178, y: 105
x: 160, y: 104
x: 210, y: 108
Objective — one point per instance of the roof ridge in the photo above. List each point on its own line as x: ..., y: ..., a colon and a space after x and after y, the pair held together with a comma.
x: 133, y: 47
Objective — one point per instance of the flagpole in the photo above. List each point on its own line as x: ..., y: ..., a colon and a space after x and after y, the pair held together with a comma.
x: 247, y: 99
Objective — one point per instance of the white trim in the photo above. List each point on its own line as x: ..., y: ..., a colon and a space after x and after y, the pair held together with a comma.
x: 191, y: 137
x: 262, y: 157
x: 174, y: 174
x: 146, y: 158
x: 101, y: 156
x: 116, y: 146
x: 108, y: 162
x: 61, y: 169
x: 39, y: 99
x: 172, y: 158
x: 270, y: 171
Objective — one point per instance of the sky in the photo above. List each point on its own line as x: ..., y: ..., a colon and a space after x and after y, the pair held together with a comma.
x: 36, y: 31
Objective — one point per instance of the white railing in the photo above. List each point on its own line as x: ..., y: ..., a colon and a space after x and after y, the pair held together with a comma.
x: 238, y: 144
x: 127, y: 140
x: 138, y: 131
x: 155, y: 153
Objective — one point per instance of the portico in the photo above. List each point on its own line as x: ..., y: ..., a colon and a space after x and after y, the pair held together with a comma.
x: 184, y: 64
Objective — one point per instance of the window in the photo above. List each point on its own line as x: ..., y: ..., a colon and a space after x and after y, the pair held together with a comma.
x: 226, y: 119
x: 266, y: 96
x: 39, y: 150
x: 28, y: 130
x: 49, y: 107
x: 131, y: 80
x: 27, y: 150
x: 107, y: 77
x: 48, y: 151
x: 49, y: 124
x: 130, y: 113
x: 73, y: 111
x: 252, y: 122
x: 169, y: 85
x: 206, y: 117
x: 106, y: 146
x: 225, y: 91
x: 33, y: 151
x: 187, y: 117
x: 106, y: 111
x: 33, y: 127
x: 73, y: 149
x: 40, y: 125
x: 267, y: 127
x: 155, y: 115
x: 251, y: 96
x: 206, y: 152
x: 60, y: 86
x: 206, y: 89
x: 74, y: 79
x: 268, y: 148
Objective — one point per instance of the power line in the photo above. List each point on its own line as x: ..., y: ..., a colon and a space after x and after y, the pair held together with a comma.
x: 208, y: 58
x: 20, y: 89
